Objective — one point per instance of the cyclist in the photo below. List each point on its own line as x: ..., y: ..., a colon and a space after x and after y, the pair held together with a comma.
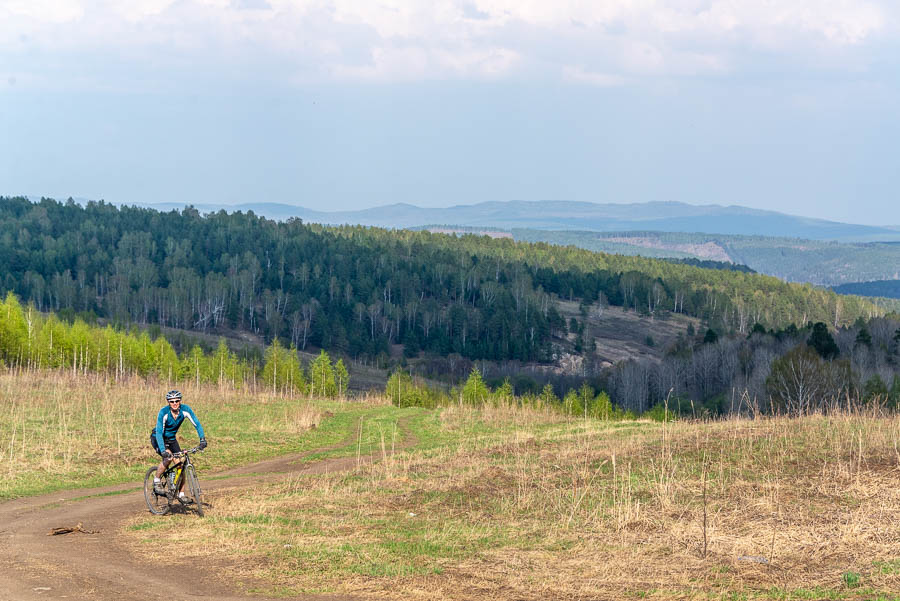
x: 163, y: 438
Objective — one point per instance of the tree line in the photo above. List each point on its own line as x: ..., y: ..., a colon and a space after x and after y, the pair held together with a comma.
x: 792, y: 370
x: 581, y: 402
x: 823, y: 262
x: 30, y: 340
x: 882, y: 288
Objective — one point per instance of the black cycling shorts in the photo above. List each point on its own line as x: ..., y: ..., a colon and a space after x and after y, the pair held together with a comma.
x: 171, y: 444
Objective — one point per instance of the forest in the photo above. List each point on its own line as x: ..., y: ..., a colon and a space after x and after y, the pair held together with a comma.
x: 821, y: 262
x: 30, y: 341
x: 361, y: 293
x: 358, y: 290
x: 792, y: 370
x: 882, y: 288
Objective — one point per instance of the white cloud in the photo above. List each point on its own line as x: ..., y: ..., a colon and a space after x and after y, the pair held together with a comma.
x: 597, y: 43
x: 137, y: 11
x: 837, y: 21
x: 50, y: 11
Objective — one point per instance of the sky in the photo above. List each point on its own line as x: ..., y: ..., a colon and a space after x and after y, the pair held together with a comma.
x: 787, y: 105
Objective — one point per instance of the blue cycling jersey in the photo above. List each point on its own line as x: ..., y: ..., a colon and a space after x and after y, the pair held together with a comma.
x: 167, y: 423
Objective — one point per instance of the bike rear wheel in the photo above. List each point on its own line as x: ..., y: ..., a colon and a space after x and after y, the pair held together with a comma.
x: 157, y: 504
x: 194, y: 486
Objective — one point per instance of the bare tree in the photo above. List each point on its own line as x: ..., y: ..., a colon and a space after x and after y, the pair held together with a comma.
x: 797, y: 381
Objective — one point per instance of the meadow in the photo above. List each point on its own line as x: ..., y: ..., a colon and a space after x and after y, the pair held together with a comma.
x: 527, y: 506
x: 65, y: 430
x: 492, y: 502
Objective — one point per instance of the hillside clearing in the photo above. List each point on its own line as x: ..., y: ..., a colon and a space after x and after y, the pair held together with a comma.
x: 621, y: 335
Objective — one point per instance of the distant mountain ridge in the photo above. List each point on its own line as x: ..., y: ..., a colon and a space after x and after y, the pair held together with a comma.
x: 877, y: 288
x: 567, y: 215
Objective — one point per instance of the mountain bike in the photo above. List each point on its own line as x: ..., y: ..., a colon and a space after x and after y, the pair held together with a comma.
x: 173, y: 477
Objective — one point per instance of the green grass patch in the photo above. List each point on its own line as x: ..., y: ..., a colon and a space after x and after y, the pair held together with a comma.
x: 890, y: 567
x: 146, y: 525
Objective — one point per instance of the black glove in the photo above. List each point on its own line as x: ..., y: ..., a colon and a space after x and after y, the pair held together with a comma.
x: 202, y: 443
x: 167, y: 454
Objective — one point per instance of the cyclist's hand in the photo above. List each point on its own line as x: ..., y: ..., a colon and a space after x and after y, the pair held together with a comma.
x: 202, y: 443
x: 167, y: 454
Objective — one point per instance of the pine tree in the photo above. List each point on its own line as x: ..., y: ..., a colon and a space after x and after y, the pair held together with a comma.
x: 863, y: 337
x: 475, y: 391
x: 821, y: 340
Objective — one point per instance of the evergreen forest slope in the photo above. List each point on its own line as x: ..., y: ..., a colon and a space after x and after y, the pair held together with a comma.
x: 878, y: 288
x: 796, y: 249
x: 824, y: 263
x: 362, y: 291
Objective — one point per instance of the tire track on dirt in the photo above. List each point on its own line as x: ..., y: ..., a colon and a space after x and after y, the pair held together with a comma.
x: 35, y: 566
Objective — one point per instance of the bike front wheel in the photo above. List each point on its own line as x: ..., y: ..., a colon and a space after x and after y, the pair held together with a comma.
x: 194, y: 485
x: 157, y: 504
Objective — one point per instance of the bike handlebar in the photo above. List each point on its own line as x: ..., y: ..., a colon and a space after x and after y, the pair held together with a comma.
x: 187, y: 452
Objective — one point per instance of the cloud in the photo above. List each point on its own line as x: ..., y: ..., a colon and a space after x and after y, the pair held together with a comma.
x: 50, y: 11
x: 592, y: 43
x: 841, y: 22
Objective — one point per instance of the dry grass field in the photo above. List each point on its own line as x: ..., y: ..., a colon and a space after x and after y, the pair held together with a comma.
x: 508, y: 503
x: 488, y: 503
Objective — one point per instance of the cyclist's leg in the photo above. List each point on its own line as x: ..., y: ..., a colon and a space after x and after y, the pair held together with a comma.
x: 173, y: 446
x: 162, y: 464
x: 158, y: 485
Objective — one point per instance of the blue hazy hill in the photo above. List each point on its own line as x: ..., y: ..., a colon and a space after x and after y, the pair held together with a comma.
x: 567, y: 215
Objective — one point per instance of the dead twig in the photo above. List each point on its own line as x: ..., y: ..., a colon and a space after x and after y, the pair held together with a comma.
x: 76, y: 528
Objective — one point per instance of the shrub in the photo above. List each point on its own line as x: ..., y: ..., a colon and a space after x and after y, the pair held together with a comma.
x: 658, y: 413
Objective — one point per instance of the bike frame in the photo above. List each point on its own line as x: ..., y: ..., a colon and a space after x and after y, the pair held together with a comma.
x: 185, y: 456
x: 183, y: 469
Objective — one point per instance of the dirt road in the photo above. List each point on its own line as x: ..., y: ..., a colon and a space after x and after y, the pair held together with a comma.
x: 99, y: 566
